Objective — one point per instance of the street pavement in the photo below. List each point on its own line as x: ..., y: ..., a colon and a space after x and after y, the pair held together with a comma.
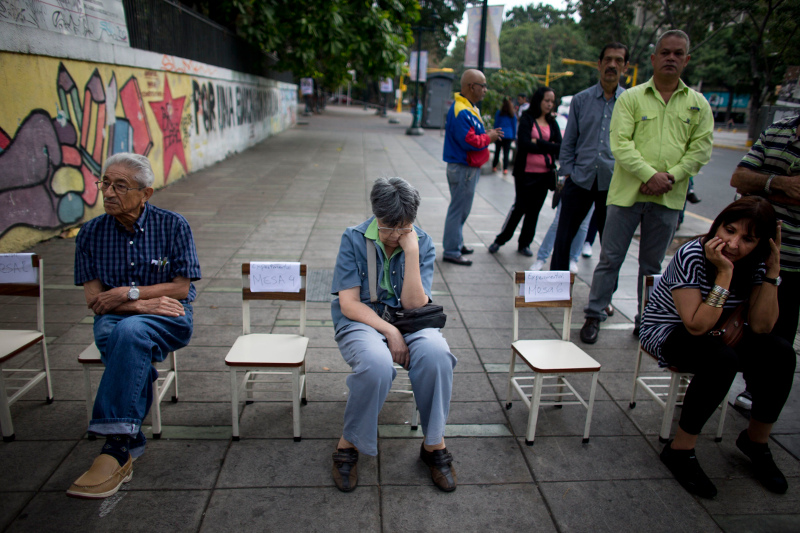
x: 289, y: 199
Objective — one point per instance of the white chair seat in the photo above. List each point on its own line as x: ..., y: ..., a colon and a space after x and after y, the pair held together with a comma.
x: 166, y: 378
x: 554, y: 356
x: 13, y: 341
x: 268, y: 350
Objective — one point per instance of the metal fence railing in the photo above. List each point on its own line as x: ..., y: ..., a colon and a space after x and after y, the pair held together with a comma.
x: 166, y: 27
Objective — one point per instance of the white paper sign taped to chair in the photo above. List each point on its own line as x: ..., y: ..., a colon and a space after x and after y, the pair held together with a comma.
x: 546, y: 286
x: 17, y: 268
x: 274, y: 277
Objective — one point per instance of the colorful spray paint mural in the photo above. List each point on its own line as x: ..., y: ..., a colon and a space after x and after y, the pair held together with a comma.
x: 61, y: 119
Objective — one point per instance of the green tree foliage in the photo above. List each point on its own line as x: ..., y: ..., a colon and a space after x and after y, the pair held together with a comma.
x: 543, y: 15
x: 443, y: 16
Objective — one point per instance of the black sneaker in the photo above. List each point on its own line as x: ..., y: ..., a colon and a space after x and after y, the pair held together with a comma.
x: 684, y: 466
x: 765, y: 469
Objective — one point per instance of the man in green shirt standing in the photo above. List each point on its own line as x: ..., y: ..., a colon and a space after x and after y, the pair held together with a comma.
x: 661, y: 135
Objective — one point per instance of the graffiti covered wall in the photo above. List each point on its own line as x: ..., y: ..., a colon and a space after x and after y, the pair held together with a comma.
x: 60, y: 119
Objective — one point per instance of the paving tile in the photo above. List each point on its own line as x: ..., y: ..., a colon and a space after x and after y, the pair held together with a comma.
x: 480, y: 461
x: 746, y: 496
x: 293, y: 509
x: 319, y: 420
x: 37, y: 420
x: 285, y: 463
x: 11, y: 504
x: 608, y: 419
x: 758, y: 523
x: 172, y: 511
x: 623, y: 505
x: 26, y: 465
x: 513, y: 507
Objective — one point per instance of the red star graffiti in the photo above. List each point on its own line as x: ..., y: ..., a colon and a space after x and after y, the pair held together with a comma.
x: 168, y: 114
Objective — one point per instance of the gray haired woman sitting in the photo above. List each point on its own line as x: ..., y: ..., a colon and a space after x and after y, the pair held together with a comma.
x: 370, y: 345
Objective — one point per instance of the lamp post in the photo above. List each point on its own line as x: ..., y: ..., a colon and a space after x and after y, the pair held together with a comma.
x: 414, y: 129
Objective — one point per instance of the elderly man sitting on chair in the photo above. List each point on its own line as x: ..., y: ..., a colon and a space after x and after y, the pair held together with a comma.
x: 136, y: 264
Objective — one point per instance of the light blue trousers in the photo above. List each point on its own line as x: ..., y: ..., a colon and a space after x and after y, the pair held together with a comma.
x: 430, y: 371
x: 577, y: 243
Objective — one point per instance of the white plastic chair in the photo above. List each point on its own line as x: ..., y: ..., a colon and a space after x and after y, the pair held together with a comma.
x: 402, y: 385
x: 15, y: 341
x: 254, y: 353
x: 90, y: 359
x: 667, y: 391
x: 550, y: 360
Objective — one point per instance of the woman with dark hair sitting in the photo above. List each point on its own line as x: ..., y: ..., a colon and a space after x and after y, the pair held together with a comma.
x: 735, y: 263
x: 538, y: 145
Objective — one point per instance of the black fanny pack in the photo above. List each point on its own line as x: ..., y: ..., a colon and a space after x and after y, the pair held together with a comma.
x: 405, y: 320
x: 412, y: 320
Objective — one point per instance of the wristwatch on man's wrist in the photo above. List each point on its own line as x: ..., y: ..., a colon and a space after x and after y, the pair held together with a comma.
x: 133, y: 293
x: 773, y: 281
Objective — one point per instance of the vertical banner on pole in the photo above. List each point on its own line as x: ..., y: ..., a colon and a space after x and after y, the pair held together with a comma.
x: 492, y: 53
x: 423, y: 67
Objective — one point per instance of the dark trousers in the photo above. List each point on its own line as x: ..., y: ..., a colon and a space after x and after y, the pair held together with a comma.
x: 531, y: 191
x: 575, y: 203
x: 505, y: 144
x: 766, y: 360
x: 788, y: 292
x: 591, y: 233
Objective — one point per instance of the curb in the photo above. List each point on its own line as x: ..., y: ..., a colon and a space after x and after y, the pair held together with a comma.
x: 732, y: 147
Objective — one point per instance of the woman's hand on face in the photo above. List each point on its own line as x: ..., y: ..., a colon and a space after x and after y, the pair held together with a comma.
x: 774, y: 259
x: 398, y: 347
x: 409, y: 242
x: 713, y: 248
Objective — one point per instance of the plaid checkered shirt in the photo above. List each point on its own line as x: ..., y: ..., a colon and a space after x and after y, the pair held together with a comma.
x: 160, y: 249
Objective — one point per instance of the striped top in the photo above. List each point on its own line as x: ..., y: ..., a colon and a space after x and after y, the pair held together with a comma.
x: 777, y: 151
x: 104, y: 250
x: 687, y: 270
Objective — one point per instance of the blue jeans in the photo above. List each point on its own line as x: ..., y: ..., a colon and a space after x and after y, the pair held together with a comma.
x: 430, y: 371
x: 550, y: 237
x: 462, y: 181
x: 128, y: 345
x: 658, y: 227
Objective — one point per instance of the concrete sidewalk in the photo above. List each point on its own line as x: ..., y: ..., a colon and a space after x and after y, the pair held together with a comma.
x: 290, y: 198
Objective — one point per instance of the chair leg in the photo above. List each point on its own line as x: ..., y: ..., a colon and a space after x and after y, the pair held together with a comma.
x: 87, y: 385
x: 155, y: 411
x: 723, y: 411
x: 590, y: 409
x: 533, y: 416
x: 669, y: 408
x: 304, y: 389
x: 46, y: 362
x: 5, y: 412
x: 234, y: 406
x: 415, y: 415
x: 510, y: 377
x: 296, y: 403
x: 636, y: 370
x: 175, y: 379
x: 560, y: 382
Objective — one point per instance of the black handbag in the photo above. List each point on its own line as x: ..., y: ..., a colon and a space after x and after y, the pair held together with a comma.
x: 405, y: 320
x: 551, y: 176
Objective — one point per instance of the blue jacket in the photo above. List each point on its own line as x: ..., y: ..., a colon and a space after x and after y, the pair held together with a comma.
x: 507, y: 124
x: 465, y: 139
x: 351, y: 271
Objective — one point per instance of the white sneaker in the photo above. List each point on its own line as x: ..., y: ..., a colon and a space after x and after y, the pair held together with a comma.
x: 587, y: 250
x: 537, y: 265
x: 573, y: 266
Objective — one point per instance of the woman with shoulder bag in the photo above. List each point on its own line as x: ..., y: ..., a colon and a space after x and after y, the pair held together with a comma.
x: 687, y: 324
x: 538, y: 144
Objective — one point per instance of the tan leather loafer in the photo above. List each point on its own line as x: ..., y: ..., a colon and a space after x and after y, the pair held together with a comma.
x: 103, y: 479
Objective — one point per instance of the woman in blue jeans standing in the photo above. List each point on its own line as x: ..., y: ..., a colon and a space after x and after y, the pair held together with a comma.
x: 506, y: 120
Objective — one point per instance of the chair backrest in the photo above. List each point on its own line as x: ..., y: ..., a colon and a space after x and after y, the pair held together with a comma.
x: 248, y: 295
x: 649, y: 284
x: 11, y: 266
x: 519, y: 302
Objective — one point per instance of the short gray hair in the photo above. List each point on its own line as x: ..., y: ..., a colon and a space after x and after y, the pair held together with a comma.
x: 138, y: 164
x: 674, y: 33
x: 394, y: 201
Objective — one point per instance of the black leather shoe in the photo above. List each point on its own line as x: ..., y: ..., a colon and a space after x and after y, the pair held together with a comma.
x: 345, y: 469
x: 684, y: 466
x: 764, y: 467
x: 457, y: 260
x: 590, y: 330
x: 441, y: 464
x: 610, y: 310
x: 693, y: 198
x: 526, y: 251
x: 466, y: 251
x: 493, y: 248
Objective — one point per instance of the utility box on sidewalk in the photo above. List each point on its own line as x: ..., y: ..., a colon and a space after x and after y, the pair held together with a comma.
x: 438, y: 97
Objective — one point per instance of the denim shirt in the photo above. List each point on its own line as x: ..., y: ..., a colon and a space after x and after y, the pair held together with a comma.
x: 351, y: 271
